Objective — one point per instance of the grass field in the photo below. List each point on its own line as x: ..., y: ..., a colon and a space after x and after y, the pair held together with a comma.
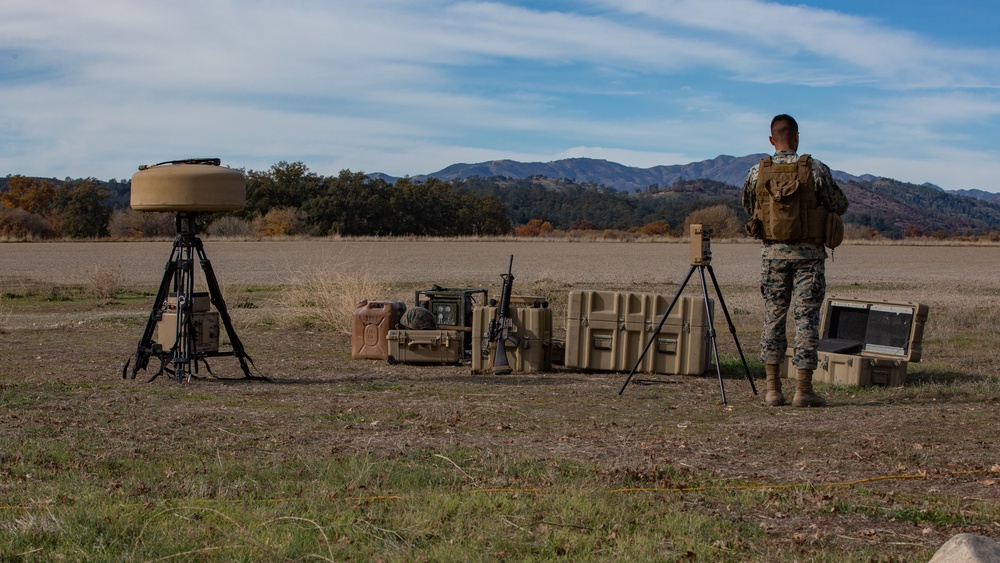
x: 358, y: 460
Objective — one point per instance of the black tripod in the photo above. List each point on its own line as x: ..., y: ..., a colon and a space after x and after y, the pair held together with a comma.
x: 701, y: 260
x: 184, y: 355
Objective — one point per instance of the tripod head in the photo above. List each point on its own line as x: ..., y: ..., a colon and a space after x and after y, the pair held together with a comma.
x: 187, y: 224
x: 701, y: 245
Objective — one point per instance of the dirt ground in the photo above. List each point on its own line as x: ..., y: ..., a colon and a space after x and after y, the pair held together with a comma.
x: 933, y: 438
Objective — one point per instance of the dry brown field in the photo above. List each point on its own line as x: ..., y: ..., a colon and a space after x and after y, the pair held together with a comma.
x: 943, y: 270
x: 851, y: 473
x: 942, y: 276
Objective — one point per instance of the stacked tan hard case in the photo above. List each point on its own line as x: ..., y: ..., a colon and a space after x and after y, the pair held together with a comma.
x: 866, y: 343
x: 607, y: 331
x: 204, y: 322
x: 533, y: 329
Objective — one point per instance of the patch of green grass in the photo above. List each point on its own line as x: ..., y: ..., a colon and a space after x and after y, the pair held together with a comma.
x: 423, y: 505
x: 912, y: 511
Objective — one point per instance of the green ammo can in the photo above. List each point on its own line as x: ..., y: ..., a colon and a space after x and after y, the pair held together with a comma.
x: 452, y: 308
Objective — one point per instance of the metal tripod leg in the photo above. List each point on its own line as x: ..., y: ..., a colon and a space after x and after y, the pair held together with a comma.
x: 711, y: 328
x: 220, y: 305
x: 183, y: 353
x: 732, y: 328
x: 145, y: 346
x: 711, y: 332
x: 657, y: 330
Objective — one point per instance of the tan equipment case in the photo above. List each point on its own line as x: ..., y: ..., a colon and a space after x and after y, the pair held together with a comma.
x: 607, y: 331
x: 424, y: 346
x: 866, y: 342
x: 204, y: 321
x: 370, y: 328
x: 532, y: 328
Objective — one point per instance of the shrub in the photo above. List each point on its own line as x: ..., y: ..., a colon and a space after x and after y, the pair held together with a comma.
x: 282, y: 221
x: 853, y: 231
x: 330, y: 297
x: 129, y: 223
x: 720, y: 218
x: 230, y: 227
x: 534, y: 228
x: 16, y: 223
x: 104, y: 282
x: 659, y: 228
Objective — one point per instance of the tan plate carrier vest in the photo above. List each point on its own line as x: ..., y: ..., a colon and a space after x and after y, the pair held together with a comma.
x: 787, y: 207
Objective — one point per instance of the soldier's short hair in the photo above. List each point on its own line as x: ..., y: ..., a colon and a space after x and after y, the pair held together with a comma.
x: 784, y: 127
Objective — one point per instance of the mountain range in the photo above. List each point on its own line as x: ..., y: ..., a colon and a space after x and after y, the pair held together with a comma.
x: 723, y: 168
x: 883, y: 204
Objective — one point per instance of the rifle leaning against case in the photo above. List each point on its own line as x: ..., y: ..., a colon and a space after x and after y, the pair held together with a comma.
x: 501, y: 327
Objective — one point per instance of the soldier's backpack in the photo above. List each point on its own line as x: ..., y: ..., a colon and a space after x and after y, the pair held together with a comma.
x: 787, y: 208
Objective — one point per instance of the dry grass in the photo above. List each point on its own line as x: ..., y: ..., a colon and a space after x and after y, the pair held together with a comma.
x: 328, y: 297
x: 358, y: 447
x: 104, y: 282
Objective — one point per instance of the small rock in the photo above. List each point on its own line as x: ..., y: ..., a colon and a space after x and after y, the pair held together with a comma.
x: 967, y: 548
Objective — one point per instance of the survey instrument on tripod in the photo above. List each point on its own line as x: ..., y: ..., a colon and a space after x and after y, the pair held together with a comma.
x: 701, y: 260
x: 501, y: 328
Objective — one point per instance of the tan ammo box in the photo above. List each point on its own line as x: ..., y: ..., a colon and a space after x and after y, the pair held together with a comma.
x: 533, y: 329
x: 424, y: 346
x: 608, y: 330
x: 204, y: 323
x: 370, y: 328
x: 866, y: 343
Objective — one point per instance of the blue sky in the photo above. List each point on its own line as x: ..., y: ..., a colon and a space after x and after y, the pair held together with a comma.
x: 907, y: 90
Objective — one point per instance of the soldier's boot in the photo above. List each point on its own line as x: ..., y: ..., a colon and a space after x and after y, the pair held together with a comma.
x: 804, y: 395
x: 773, y: 397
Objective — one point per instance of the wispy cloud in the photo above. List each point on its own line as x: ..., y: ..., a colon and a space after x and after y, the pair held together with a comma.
x: 408, y: 88
x: 799, y: 44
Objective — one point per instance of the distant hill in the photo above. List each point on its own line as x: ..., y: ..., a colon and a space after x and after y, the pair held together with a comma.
x: 724, y: 168
x: 894, y: 207
x: 979, y: 194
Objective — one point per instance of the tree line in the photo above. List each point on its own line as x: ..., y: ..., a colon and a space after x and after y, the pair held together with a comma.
x: 289, y: 199
x: 286, y: 199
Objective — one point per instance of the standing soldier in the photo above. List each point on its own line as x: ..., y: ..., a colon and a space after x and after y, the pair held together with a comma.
x: 793, y: 203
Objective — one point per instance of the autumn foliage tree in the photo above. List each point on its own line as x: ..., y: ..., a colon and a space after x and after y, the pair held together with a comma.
x: 34, y: 195
x: 534, y: 228
x: 280, y: 221
x: 659, y: 228
x: 722, y: 219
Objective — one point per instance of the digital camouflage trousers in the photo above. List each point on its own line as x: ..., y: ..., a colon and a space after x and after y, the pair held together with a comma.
x: 801, y: 286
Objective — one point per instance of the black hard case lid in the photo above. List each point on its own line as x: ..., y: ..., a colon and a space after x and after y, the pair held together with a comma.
x: 873, y: 328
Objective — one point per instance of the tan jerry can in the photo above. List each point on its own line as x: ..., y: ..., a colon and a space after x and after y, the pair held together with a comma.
x: 370, y: 328
x: 866, y: 343
x: 532, y: 328
x: 206, y: 330
x: 608, y: 330
x: 424, y: 346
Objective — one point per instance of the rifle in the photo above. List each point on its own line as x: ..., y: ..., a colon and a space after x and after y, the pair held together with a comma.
x: 502, y: 326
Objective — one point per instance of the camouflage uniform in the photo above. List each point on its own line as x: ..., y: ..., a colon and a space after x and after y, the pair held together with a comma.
x: 793, y: 275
